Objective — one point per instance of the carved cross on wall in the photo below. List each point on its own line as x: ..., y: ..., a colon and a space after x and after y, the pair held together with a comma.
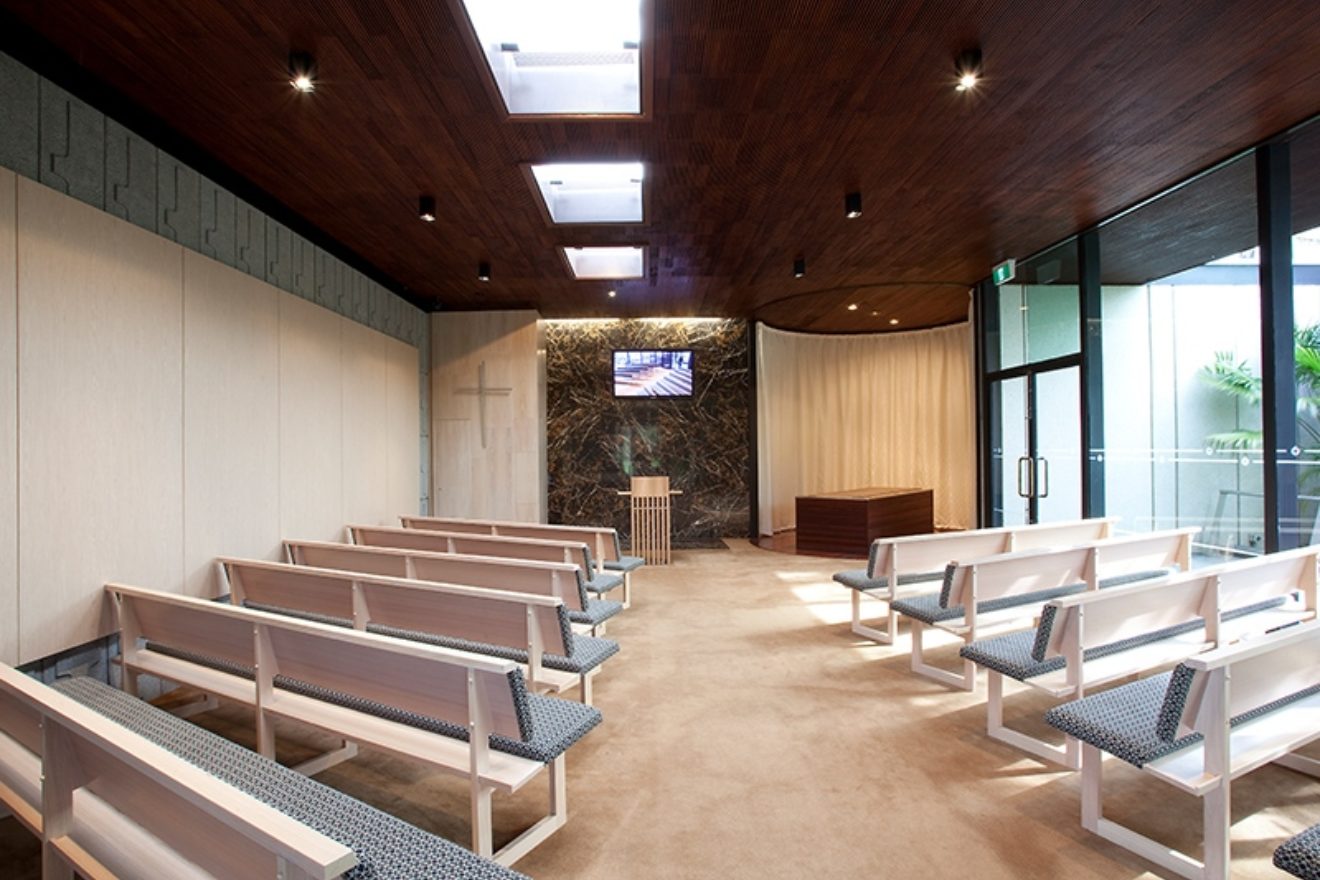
x: 482, y: 391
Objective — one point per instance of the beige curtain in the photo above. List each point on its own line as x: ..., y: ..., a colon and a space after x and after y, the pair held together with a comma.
x: 847, y: 412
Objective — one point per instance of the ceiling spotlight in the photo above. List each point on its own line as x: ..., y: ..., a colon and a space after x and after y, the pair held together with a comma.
x: 302, y: 72
x: 852, y: 307
x: 852, y: 205
x: 483, y: 271
x: 875, y: 314
x: 893, y: 321
x: 426, y: 208
x: 612, y: 294
x: 799, y: 267
x: 968, y: 67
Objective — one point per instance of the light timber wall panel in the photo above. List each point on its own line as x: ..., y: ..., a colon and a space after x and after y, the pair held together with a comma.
x: 100, y: 422
x: 311, y: 422
x: 8, y: 422
x: 504, y: 476
x: 231, y: 370
x: 366, y: 426
x: 401, y: 390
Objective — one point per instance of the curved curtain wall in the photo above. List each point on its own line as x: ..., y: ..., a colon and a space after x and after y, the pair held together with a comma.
x: 845, y: 412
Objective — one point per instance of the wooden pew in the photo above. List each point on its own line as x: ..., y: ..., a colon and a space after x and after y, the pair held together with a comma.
x: 1093, y: 639
x: 911, y: 562
x: 108, y: 803
x: 464, y: 618
x: 604, y: 542
x: 560, y: 579
x: 355, y: 686
x: 1216, y: 717
x: 533, y: 549
x: 1004, y: 592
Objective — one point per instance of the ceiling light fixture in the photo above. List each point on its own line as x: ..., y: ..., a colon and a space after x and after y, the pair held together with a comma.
x: 799, y: 267
x: 852, y: 205
x: 483, y: 271
x: 968, y: 67
x: 302, y: 72
x: 612, y: 294
x: 852, y: 307
x: 426, y: 208
x: 893, y: 321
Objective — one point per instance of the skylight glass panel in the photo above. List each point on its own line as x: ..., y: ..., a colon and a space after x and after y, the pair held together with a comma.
x: 606, y: 262
x: 580, y: 192
x: 562, y: 57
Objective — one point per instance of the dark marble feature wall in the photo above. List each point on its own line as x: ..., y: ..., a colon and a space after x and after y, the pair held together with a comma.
x: 596, y: 441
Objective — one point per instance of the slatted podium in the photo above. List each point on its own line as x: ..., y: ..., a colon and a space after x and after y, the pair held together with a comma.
x: 651, y: 522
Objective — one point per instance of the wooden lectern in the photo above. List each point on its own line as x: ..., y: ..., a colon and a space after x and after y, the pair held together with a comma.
x: 650, y: 518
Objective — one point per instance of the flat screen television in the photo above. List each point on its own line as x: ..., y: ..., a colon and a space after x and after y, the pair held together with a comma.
x: 653, y: 373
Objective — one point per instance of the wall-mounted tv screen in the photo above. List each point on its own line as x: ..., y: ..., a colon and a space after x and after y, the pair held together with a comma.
x: 653, y: 373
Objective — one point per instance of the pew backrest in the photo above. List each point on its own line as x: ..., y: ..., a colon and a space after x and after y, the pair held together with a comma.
x: 918, y: 554
x: 536, y: 549
x: 602, y: 541
x: 413, y: 677
x: 113, y: 803
x: 495, y: 617
x: 557, y: 579
x: 1034, y: 570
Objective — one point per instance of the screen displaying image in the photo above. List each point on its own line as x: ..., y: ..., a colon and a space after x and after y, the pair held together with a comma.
x: 653, y: 373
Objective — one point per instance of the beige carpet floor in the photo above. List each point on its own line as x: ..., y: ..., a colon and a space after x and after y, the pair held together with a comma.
x: 749, y: 734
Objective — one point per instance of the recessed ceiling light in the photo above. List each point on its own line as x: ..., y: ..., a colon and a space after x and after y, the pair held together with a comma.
x: 852, y: 205
x: 875, y: 314
x: 611, y: 294
x: 562, y: 57
x: 968, y: 67
x: 302, y: 72
x: 426, y: 208
x: 852, y: 307
x: 483, y: 271
x: 616, y: 261
x: 799, y: 267
x: 893, y: 320
x: 591, y: 192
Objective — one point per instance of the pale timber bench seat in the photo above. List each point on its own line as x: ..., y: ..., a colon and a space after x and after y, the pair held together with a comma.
x: 1094, y: 639
x: 561, y: 579
x: 535, y: 549
x: 461, y: 713
x: 1300, y: 855
x: 112, y: 804
x: 533, y: 631
x: 603, y: 541
x: 386, y: 848
x: 917, y: 560
x: 1215, y: 717
x: 1005, y: 592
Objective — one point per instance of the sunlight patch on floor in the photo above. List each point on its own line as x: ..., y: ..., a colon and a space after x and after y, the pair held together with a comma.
x: 828, y: 603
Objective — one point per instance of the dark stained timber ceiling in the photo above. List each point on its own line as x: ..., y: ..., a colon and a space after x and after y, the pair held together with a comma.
x: 763, y: 115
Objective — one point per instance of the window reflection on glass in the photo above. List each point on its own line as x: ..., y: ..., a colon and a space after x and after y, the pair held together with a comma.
x: 1180, y: 305
x: 1303, y: 459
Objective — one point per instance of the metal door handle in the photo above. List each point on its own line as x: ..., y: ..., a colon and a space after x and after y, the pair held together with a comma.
x: 1024, y: 477
x: 1044, y: 477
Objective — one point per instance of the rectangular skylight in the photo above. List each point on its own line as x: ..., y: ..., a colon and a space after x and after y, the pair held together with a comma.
x: 562, y: 57
x: 627, y: 261
x: 591, y: 192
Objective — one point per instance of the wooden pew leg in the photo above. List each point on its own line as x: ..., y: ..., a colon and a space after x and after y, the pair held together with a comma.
x: 265, y: 735
x: 207, y: 703
x: 627, y: 589
x: 1093, y: 820
x: 312, y: 766
x: 1067, y: 754
x: 1217, y: 822
x: 966, y: 681
x: 1309, y: 766
x: 882, y: 637
x: 554, y: 820
x: 53, y: 865
x: 584, y: 689
x: 482, y: 836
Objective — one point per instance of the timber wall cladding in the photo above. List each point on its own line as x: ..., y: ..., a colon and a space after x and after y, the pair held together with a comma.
x: 48, y: 135
x: 167, y: 409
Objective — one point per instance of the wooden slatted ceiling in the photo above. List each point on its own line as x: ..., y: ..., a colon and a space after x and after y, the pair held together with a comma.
x: 765, y: 114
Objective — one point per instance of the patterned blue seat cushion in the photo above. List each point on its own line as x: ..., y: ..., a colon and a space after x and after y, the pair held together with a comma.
x: 927, y: 608
x: 603, y: 582
x: 1105, y: 583
x: 1130, y: 721
x: 1300, y: 855
x: 858, y: 579
x: 625, y: 563
x: 595, y: 611
x: 548, y: 725
x: 387, y: 848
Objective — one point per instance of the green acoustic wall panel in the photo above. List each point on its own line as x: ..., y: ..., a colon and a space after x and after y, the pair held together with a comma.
x: 72, y: 146
x: 218, y: 220
x: 19, y: 96
x: 251, y: 238
x: 178, y: 203
x: 130, y: 176
x: 304, y: 267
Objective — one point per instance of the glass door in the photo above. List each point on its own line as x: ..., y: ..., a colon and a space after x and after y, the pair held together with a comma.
x: 1036, y: 446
